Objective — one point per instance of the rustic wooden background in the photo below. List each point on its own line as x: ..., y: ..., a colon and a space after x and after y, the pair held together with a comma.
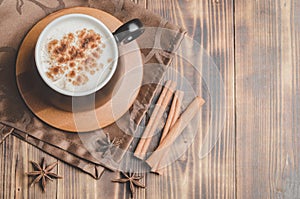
x: 256, y: 45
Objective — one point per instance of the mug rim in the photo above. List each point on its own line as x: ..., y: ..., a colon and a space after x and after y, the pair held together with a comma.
x: 73, y: 93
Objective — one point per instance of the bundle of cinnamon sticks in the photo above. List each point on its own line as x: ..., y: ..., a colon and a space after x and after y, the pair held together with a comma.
x: 174, y: 126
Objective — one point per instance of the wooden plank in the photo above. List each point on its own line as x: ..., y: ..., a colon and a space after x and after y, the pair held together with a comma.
x: 14, y: 159
x: 267, y: 98
x: 210, y: 24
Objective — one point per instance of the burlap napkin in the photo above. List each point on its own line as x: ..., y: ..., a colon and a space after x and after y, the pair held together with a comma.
x: 17, y: 18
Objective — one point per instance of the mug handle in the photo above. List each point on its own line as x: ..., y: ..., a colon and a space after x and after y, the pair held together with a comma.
x: 129, y: 31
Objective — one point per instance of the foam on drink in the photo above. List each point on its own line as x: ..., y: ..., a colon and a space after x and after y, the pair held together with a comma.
x: 76, y: 60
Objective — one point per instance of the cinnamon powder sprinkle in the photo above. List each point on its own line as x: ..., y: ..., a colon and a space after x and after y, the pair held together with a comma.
x: 55, y: 72
x: 74, y: 55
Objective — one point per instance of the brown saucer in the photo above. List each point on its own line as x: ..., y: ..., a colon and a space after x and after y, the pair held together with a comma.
x: 116, y: 97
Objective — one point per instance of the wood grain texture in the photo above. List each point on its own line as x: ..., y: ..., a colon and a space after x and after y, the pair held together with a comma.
x: 267, y: 98
x: 211, y: 24
x: 256, y: 45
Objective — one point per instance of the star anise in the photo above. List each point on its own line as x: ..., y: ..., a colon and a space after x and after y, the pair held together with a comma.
x: 106, y: 146
x: 133, y: 179
x: 43, y: 173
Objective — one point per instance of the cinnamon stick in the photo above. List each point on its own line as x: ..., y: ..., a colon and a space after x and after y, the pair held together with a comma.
x: 156, y: 157
x: 173, y: 113
x: 155, y: 118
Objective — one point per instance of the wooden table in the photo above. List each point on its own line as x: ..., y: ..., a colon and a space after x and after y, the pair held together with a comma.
x: 256, y: 46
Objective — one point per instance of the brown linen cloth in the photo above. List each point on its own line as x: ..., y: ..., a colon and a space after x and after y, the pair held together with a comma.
x: 17, y: 17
